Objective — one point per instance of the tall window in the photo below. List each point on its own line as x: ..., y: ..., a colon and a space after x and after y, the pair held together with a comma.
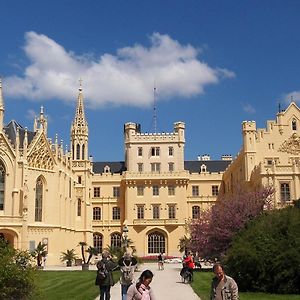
x: 98, y: 241
x: 285, y: 194
x: 171, y: 151
x: 155, y: 211
x: 140, y: 167
x: 38, y: 200
x: 78, y: 151
x: 82, y: 152
x: 96, y: 213
x: 215, y: 190
x: 294, y: 124
x: 78, y: 207
x: 171, y: 167
x: 156, y: 243
x: 96, y: 191
x: 195, y: 212
x: 140, y: 191
x: 140, y: 151
x: 116, y: 213
x: 155, y: 190
x: 116, y: 191
x: 115, y: 240
x: 2, y: 185
x: 79, y: 179
x: 155, y: 167
x: 140, y: 211
x: 155, y: 151
x: 172, y: 211
x: 195, y: 190
x: 171, y: 190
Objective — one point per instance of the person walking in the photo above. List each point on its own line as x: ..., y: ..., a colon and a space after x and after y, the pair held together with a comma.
x: 141, y: 290
x: 104, y: 275
x: 127, y: 266
x: 223, y: 287
x: 160, y: 259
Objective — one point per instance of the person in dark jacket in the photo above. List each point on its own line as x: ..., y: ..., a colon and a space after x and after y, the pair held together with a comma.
x: 106, y: 265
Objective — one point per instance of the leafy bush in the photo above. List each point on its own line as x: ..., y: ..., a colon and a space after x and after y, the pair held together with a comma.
x: 16, y: 273
x: 265, y: 256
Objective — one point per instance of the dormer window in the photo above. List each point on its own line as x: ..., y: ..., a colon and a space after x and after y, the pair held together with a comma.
x: 294, y: 124
x: 203, y: 168
x: 106, y: 169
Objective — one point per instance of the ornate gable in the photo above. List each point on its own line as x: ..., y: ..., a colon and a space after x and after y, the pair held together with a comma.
x: 5, y: 146
x: 292, y: 145
x: 40, y: 155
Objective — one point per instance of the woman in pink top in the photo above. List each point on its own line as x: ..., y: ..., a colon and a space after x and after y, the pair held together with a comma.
x: 141, y: 290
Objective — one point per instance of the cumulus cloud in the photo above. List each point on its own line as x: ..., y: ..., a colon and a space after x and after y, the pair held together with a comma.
x: 292, y: 96
x: 124, y: 78
x: 249, y: 108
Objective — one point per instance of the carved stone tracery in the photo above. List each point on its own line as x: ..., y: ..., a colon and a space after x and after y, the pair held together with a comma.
x: 292, y: 145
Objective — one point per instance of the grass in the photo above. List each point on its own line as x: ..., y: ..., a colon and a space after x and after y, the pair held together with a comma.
x: 68, y: 285
x: 202, y: 282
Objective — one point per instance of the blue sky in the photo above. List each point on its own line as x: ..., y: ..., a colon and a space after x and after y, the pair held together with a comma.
x: 214, y: 64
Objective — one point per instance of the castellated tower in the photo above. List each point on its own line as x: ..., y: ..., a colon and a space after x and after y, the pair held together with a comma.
x: 249, y: 146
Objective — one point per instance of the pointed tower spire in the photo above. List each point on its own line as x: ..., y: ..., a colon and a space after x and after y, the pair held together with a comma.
x: 1, y: 106
x: 79, y: 130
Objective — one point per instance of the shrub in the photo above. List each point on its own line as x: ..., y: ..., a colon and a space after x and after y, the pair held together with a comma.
x: 265, y: 256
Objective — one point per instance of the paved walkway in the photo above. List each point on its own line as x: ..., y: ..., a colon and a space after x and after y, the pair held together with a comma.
x: 166, y: 284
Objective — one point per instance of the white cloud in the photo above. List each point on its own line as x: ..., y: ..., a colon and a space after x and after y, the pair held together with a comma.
x: 249, y: 108
x: 292, y: 96
x: 125, y: 78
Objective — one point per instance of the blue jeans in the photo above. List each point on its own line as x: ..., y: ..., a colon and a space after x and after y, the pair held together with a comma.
x: 104, y: 292
x: 124, y: 289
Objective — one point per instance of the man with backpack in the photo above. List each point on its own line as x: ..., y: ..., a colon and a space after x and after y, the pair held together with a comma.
x: 127, y: 266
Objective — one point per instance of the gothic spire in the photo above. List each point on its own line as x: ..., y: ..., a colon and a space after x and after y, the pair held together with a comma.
x: 1, y: 106
x: 79, y: 120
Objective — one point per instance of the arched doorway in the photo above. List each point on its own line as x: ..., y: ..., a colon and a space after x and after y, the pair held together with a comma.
x: 9, y: 236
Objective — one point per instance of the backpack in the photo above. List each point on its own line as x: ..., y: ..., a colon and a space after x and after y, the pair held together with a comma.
x: 127, y: 273
x: 102, y: 273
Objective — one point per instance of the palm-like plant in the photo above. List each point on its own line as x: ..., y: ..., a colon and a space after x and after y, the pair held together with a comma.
x: 69, y: 256
x: 184, y: 243
x: 91, y: 251
x: 40, y: 252
x: 83, y: 245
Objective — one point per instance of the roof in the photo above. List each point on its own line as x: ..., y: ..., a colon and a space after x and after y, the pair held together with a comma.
x: 115, y: 166
x: 11, y: 131
x: 216, y: 166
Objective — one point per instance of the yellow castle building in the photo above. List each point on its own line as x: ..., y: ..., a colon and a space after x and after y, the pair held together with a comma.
x: 61, y: 197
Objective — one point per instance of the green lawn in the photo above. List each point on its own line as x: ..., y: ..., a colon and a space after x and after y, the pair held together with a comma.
x: 201, y: 286
x: 68, y: 285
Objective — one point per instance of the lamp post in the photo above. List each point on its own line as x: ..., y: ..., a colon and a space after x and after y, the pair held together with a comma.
x: 125, y: 234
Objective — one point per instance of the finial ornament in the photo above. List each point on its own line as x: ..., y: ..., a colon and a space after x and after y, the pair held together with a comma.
x: 80, y: 84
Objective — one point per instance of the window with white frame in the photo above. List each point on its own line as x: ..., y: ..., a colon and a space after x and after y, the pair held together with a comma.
x: 140, y: 211
x: 155, y: 211
x: 116, y: 191
x: 195, y: 190
x: 98, y: 242
x: 155, y: 151
x: 156, y: 243
x: 171, y: 151
x: 195, y: 212
x: 140, y: 167
x: 171, y: 190
x: 116, y: 213
x: 96, y: 191
x: 115, y: 240
x: 140, y: 191
x: 96, y: 213
x: 140, y: 151
x: 155, y: 167
x: 171, y: 167
x: 285, y: 194
x: 172, y: 211
x: 215, y: 190
x: 155, y: 190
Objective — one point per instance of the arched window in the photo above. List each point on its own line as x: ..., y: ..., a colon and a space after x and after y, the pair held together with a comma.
x: 79, y: 207
x: 195, y: 212
x: 115, y: 240
x: 156, y: 243
x: 78, y: 151
x: 82, y: 152
x: 98, y: 241
x: 294, y: 124
x: 2, y: 185
x: 96, y: 213
x: 38, y: 200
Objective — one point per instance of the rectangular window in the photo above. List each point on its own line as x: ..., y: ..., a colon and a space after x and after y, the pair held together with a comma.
x: 155, y: 190
x: 171, y: 167
x: 171, y: 190
x: 140, y: 167
x: 140, y: 151
x: 155, y: 151
x: 96, y: 191
x: 171, y: 151
x: 116, y: 191
x: 140, y: 211
x: 195, y: 190
x: 285, y: 194
x: 155, y: 211
x: 215, y: 190
x: 140, y: 191
x: 116, y: 213
x: 79, y: 179
x: 172, y: 211
x: 155, y: 167
x: 96, y: 213
x: 78, y: 207
x: 195, y: 212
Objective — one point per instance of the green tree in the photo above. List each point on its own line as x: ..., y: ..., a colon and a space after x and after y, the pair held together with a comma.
x: 17, y: 274
x: 184, y: 243
x: 265, y: 256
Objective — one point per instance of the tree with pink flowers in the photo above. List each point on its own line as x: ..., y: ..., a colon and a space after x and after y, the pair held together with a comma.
x: 212, y: 233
